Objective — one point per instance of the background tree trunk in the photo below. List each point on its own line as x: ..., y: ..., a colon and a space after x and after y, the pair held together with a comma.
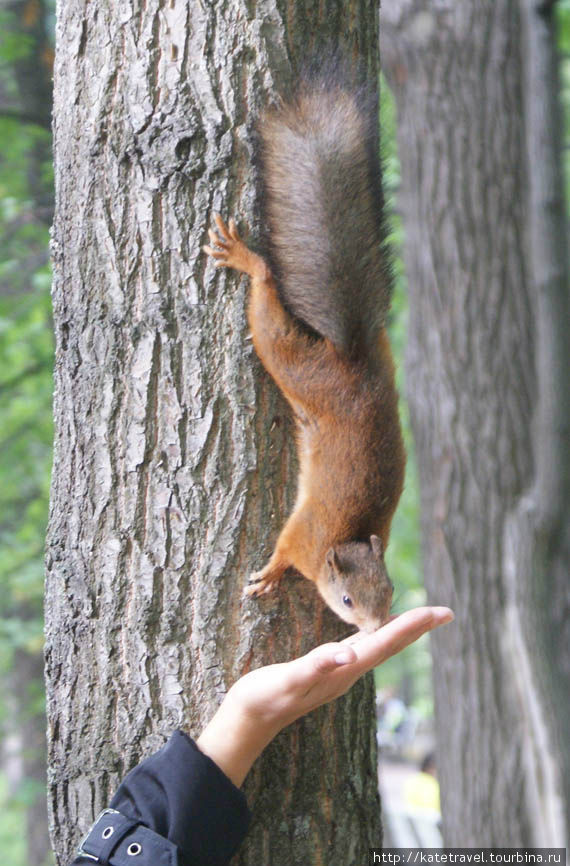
x: 174, y: 465
x: 488, y: 415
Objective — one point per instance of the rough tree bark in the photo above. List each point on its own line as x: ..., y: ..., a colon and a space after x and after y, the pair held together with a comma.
x: 174, y: 461
x: 487, y: 342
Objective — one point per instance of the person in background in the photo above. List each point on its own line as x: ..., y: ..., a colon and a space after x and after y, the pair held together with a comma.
x: 421, y: 792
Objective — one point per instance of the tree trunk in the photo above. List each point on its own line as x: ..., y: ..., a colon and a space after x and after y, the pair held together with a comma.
x: 486, y: 415
x: 174, y: 466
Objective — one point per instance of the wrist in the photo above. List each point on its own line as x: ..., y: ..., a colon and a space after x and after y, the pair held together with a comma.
x: 234, y: 740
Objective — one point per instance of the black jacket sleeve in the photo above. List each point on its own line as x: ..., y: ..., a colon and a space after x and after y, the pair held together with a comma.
x: 177, y: 806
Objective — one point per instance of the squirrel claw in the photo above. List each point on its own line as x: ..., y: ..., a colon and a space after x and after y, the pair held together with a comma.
x: 233, y: 230
x: 227, y: 247
x: 229, y: 251
x: 216, y: 240
x: 259, y: 585
x: 216, y: 254
x: 228, y: 232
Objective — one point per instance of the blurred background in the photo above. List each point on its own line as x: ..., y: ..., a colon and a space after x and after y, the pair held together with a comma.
x: 408, y: 766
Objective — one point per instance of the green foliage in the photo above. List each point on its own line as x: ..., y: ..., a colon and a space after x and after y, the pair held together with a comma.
x: 25, y: 458
x: 18, y: 142
x: 26, y: 360
x: 12, y: 818
x: 25, y: 453
x: 13, y: 45
x: 13, y: 807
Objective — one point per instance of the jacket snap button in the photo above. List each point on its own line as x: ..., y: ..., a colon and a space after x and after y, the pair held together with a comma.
x: 134, y: 849
x: 107, y: 832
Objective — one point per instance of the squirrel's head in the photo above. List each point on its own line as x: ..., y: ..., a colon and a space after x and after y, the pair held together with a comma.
x: 355, y: 584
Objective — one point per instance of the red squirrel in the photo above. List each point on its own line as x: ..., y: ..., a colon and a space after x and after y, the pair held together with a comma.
x: 317, y: 311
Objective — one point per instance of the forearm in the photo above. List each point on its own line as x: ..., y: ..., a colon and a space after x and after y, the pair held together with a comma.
x: 176, y: 803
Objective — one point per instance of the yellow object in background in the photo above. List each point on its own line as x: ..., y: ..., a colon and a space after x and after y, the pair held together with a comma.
x: 421, y: 792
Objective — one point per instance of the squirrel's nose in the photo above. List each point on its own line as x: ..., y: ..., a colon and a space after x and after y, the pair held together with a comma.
x: 372, y: 625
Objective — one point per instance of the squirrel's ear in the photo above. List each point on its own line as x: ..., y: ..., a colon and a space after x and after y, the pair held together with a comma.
x: 376, y: 545
x: 332, y: 559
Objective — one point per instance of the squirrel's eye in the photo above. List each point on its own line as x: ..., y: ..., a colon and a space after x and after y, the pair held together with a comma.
x: 346, y: 599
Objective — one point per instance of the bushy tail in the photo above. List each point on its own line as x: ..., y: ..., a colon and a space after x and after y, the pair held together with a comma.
x: 322, y: 208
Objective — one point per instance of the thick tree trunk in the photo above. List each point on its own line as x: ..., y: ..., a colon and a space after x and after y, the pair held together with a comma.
x: 476, y: 331
x: 174, y: 465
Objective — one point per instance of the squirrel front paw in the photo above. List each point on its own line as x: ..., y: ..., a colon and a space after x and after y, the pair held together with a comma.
x: 232, y: 252
x: 262, y: 583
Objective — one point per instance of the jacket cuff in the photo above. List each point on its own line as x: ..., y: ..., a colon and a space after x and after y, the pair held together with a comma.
x: 114, y: 840
x: 183, y: 795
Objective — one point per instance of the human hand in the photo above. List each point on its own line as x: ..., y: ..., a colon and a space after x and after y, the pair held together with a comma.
x: 268, y: 699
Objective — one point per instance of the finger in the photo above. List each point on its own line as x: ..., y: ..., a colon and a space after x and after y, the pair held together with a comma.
x: 417, y: 612
x: 365, y: 650
x: 309, y: 669
x: 373, y: 649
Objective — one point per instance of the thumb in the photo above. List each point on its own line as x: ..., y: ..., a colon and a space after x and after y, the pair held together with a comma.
x: 324, y: 659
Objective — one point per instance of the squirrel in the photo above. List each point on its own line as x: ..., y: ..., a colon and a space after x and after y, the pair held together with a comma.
x: 317, y: 311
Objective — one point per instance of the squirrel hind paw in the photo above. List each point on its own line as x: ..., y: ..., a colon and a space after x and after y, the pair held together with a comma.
x: 227, y: 248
